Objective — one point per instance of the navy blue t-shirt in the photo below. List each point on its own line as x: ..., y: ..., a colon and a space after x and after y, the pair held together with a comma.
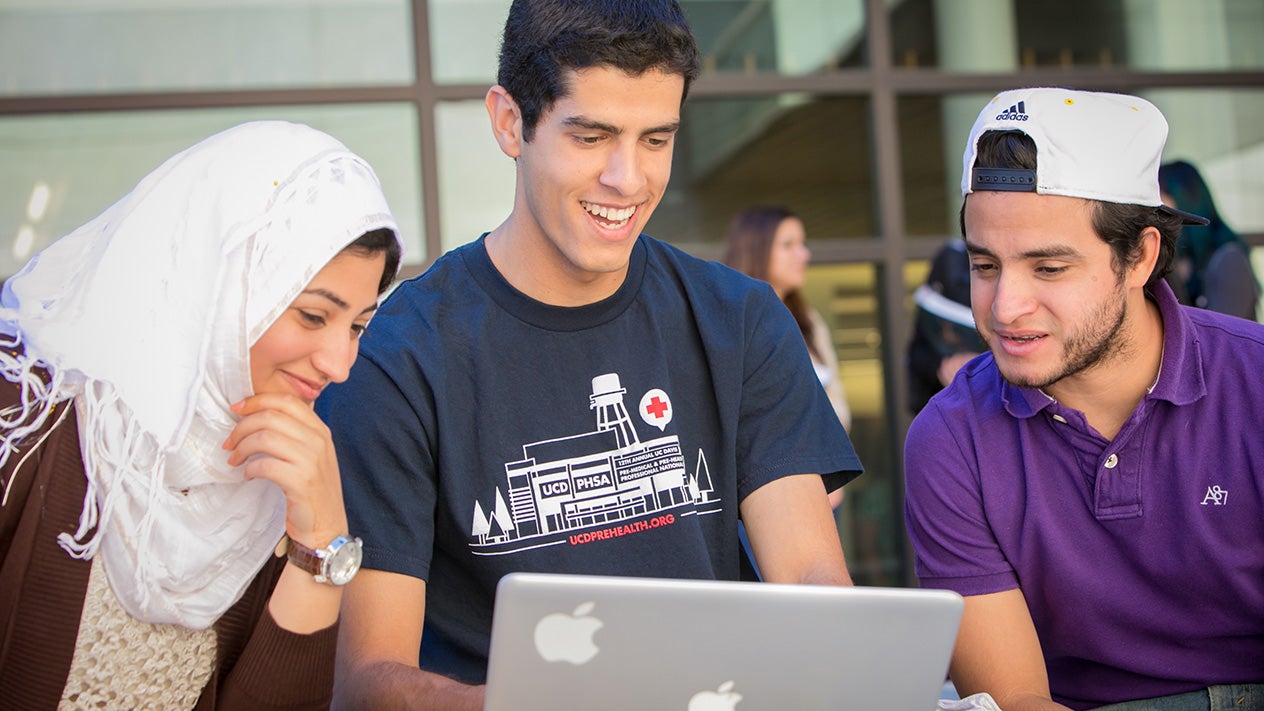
x: 483, y: 432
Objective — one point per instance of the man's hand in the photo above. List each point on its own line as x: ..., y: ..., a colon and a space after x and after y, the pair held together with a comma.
x: 378, y: 645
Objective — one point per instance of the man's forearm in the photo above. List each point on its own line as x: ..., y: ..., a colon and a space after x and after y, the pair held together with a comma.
x: 397, y: 687
x: 825, y: 572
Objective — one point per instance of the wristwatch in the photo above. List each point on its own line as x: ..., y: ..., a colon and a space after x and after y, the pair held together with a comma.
x: 335, y: 564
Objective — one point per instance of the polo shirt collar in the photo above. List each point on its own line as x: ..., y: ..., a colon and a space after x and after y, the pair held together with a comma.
x: 1181, y: 377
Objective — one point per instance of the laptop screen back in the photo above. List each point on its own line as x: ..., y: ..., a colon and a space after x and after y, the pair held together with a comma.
x: 599, y: 642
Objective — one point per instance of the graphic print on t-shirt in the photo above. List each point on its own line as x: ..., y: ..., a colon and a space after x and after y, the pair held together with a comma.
x: 595, y: 485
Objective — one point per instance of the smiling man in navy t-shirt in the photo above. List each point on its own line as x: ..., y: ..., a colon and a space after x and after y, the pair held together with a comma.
x: 565, y: 394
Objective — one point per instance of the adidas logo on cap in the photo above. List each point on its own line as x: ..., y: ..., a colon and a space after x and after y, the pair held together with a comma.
x: 1017, y: 112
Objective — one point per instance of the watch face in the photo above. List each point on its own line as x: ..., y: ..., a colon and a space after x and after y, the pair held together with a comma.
x: 342, y: 565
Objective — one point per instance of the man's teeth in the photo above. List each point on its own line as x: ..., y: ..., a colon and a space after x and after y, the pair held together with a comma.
x: 1023, y: 339
x: 614, y: 215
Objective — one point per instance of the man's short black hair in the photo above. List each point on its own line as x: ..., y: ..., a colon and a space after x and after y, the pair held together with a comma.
x: 545, y: 38
x: 1118, y: 225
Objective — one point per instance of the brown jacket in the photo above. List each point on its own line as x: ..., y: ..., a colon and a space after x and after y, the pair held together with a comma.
x: 42, y: 589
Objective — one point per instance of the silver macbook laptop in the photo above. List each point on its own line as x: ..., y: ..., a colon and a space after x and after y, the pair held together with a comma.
x: 563, y: 642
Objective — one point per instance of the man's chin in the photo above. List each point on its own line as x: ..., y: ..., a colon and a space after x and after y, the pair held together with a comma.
x: 1025, y: 379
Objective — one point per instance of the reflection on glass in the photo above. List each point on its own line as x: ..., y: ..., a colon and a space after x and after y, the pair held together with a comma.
x: 787, y: 37
x: 808, y: 153
x: 790, y: 37
x: 476, y: 180
x: 1163, y: 35
x: 120, y: 46
x: 465, y: 39
x: 61, y: 171
x: 1221, y: 133
x: 933, y: 131
x: 1257, y: 262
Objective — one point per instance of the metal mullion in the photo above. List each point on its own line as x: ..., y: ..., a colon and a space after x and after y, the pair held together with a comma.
x: 426, y: 102
x: 79, y: 103
x: 934, y: 81
x: 884, y: 132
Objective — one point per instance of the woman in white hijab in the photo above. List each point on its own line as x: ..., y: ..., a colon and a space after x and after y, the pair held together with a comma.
x: 172, y: 532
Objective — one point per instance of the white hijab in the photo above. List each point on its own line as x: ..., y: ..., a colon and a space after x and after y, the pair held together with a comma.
x: 145, y: 316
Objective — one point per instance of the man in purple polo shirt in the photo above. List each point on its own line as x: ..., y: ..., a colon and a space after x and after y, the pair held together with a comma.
x: 1094, y: 485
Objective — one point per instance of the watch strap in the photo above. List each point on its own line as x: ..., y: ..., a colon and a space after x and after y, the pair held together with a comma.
x: 304, y: 558
x: 335, y: 564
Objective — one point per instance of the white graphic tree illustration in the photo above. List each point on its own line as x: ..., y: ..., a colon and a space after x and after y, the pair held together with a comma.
x: 503, y: 519
x: 481, y: 525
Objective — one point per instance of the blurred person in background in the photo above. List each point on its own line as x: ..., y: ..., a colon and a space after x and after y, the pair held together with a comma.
x: 944, y: 337
x: 1213, y: 265
x: 769, y: 243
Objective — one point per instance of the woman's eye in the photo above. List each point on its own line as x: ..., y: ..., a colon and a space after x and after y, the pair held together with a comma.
x: 312, y: 319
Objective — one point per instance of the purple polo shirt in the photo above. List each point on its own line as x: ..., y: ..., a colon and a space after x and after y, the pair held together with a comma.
x: 1142, y: 558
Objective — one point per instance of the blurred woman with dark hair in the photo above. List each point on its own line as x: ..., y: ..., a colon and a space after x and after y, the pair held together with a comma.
x: 1213, y: 265
x: 769, y: 243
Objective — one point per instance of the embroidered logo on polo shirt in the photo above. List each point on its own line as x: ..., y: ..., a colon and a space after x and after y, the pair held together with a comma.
x: 1216, y: 496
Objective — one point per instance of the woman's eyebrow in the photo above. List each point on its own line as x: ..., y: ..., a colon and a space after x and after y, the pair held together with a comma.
x: 337, y: 300
x: 325, y: 293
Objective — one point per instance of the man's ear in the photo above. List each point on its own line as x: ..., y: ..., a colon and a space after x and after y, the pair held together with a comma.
x: 506, y: 120
x: 1139, y: 273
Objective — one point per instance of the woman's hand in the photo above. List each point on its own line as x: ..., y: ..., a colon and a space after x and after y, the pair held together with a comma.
x: 281, y: 439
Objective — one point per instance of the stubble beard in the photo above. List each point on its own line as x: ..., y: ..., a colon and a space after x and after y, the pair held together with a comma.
x: 1103, y: 340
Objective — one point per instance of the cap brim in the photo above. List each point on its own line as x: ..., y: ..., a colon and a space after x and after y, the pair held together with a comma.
x: 1187, y: 218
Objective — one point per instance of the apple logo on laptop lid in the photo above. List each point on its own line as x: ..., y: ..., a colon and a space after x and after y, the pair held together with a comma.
x: 563, y: 637
x: 722, y: 699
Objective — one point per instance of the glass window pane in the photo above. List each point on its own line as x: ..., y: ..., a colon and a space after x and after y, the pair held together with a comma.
x: 790, y: 37
x: 476, y: 180
x: 1220, y: 132
x: 120, y: 46
x: 1257, y: 261
x: 61, y: 171
x: 933, y: 132
x: 1001, y: 35
x: 809, y: 153
x: 465, y: 39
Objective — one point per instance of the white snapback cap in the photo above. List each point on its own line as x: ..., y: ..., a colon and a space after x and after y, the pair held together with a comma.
x: 1090, y: 145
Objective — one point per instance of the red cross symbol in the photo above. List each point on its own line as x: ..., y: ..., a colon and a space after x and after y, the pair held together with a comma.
x: 656, y: 407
